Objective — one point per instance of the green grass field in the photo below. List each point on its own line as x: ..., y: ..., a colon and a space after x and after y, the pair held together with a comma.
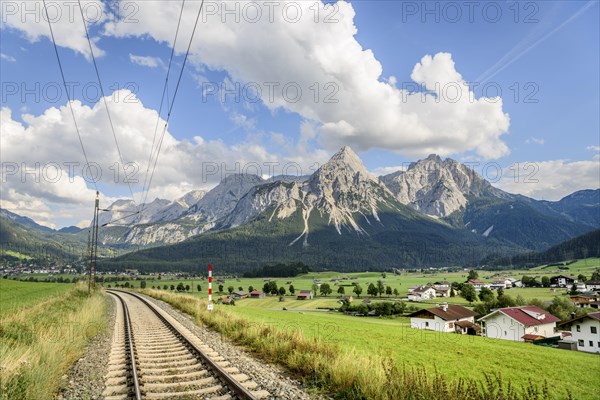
x: 15, y: 295
x: 45, y: 331
x: 453, y: 356
x: 585, y: 267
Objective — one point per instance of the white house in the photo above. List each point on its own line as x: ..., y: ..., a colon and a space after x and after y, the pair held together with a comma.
x: 424, y: 293
x: 477, y: 284
x: 515, y: 282
x: 513, y: 323
x: 507, y: 282
x: 444, y: 285
x: 581, y: 287
x: 592, y: 285
x: 445, y: 318
x: 562, y: 281
x: 585, y: 331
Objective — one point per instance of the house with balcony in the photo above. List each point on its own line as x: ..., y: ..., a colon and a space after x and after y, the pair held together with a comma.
x: 445, y: 318
x: 518, y: 323
x: 585, y: 332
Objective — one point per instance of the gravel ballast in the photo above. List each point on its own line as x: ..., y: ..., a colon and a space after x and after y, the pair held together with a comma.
x: 85, y: 380
x: 271, y: 377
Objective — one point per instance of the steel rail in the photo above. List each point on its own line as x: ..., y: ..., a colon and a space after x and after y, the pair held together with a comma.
x: 240, y: 391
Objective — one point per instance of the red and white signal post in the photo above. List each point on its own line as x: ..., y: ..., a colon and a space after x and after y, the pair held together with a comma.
x: 210, y: 303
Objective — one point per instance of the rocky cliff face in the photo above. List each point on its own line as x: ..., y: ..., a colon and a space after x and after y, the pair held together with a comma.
x: 338, y: 191
x: 344, y: 195
x: 438, y: 187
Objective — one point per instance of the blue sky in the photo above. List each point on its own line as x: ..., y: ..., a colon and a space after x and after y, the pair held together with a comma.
x: 541, y: 58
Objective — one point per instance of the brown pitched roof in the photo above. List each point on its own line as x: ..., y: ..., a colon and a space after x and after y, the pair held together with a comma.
x: 530, y: 336
x: 594, y: 315
x: 452, y: 313
x: 467, y: 324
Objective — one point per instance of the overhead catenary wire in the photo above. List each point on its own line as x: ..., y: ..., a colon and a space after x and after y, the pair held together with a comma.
x: 87, y: 35
x: 165, y: 90
x: 173, y: 100
x: 62, y: 74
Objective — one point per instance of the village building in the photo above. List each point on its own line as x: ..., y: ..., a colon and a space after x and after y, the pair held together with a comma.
x: 423, y: 293
x: 240, y: 294
x: 305, y: 295
x: 445, y: 318
x: 513, y: 323
x: 562, y: 281
x: 515, y: 282
x: 477, y: 284
x: 585, y: 331
x: 592, y: 285
x: 257, y: 294
x: 444, y: 285
x: 584, y: 299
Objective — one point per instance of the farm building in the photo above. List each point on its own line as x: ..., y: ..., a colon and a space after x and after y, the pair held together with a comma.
x: 445, y: 318
x: 585, y: 332
x: 305, y: 295
x: 257, y: 294
x: 513, y: 323
x: 240, y: 294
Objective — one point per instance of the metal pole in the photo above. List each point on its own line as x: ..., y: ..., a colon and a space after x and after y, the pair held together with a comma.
x: 89, y: 252
x: 210, y: 303
x: 97, y: 212
x: 93, y: 246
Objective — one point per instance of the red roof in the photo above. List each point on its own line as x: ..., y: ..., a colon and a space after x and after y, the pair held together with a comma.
x: 526, y: 315
x: 256, y: 292
x: 475, y: 282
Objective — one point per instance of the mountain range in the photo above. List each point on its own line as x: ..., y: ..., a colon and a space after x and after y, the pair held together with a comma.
x: 436, y: 212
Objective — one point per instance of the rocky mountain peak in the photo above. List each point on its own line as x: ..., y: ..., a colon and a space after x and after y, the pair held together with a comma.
x: 344, y: 170
x: 437, y: 187
x: 347, y: 159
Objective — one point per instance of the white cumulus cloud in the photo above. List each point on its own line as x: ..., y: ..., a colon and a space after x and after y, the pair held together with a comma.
x: 342, y: 87
x: 29, y: 18
x: 43, y: 168
x: 146, y: 61
x: 552, y: 179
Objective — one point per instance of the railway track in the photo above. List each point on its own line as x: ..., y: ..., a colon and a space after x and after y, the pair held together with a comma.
x: 155, y: 357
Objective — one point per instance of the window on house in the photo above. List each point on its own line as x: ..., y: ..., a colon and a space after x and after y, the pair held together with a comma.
x: 580, y: 343
x: 593, y: 328
x: 426, y: 323
x: 535, y: 329
x: 578, y: 328
x: 504, y: 333
x: 591, y: 344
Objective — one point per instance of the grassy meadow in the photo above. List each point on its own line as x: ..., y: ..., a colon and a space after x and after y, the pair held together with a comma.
x: 356, y: 357
x: 15, y: 295
x: 43, y: 333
